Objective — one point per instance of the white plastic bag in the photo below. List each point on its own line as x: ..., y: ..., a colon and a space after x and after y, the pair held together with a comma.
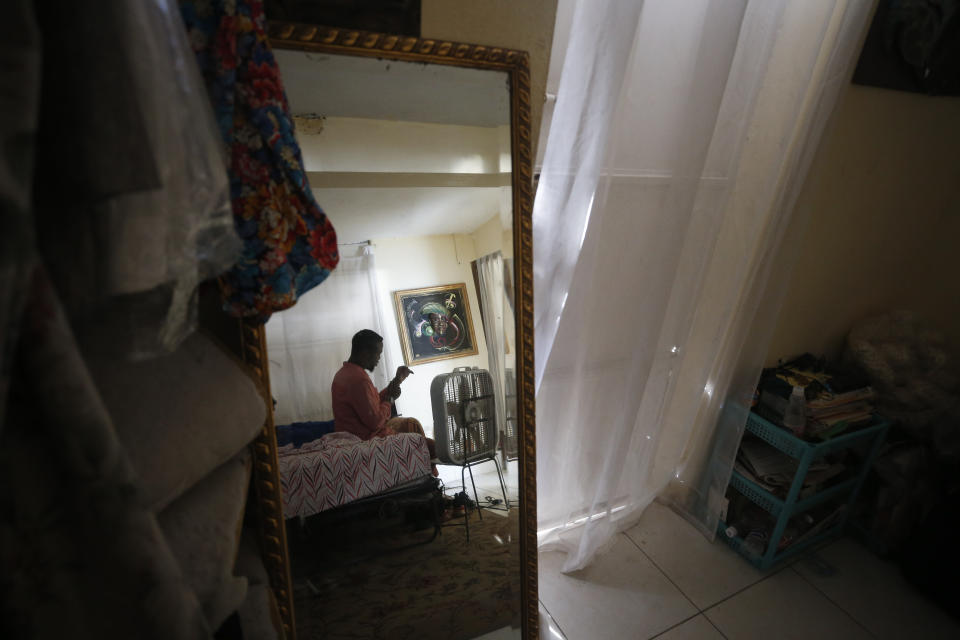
x: 157, y: 246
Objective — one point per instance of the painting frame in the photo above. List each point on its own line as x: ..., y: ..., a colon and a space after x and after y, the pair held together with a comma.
x: 408, y: 306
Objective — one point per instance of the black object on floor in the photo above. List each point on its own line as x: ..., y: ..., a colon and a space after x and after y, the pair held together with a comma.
x: 230, y: 629
x: 930, y: 560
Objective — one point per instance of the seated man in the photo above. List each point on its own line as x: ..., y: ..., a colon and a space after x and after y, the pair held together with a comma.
x: 357, y: 406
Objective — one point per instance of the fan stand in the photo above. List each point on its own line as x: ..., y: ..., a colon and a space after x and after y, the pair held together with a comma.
x: 460, y: 420
x: 468, y: 466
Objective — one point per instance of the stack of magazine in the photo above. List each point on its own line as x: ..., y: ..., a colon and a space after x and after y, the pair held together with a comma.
x: 836, y: 400
x: 774, y: 470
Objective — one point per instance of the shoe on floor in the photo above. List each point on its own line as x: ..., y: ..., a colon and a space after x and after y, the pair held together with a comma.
x: 462, y: 500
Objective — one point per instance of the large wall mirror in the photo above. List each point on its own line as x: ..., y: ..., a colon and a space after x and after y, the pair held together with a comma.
x: 418, y: 151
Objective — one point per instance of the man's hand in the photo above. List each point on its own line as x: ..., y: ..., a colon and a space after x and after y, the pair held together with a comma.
x: 393, y: 389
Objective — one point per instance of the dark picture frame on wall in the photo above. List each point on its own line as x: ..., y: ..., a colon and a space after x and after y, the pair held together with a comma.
x: 435, y: 323
x: 913, y: 45
x: 398, y: 17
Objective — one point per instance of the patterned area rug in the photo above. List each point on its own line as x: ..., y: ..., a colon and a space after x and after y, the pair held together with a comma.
x: 347, y: 587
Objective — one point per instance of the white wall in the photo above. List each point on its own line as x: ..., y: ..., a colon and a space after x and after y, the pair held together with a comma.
x: 362, y: 144
x: 412, y: 263
x: 883, y: 197
x: 527, y: 26
x: 362, y: 214
x: 383, y: 153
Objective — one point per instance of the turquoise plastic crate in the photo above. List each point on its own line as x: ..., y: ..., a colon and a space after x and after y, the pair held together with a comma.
x: 794, y: 447
x: 760, y: 561
x: 776, y: 436
x: 774, y: 505
x: 736, y: 543
x: 757, y: 494
x: 784, y: 509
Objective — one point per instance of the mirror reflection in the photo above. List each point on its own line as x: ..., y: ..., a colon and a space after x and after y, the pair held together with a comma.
x: 393, y: 381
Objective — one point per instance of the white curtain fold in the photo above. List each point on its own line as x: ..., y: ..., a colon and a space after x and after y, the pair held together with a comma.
x: 659, y: 243
x: 492, y: 298
x: 308, y: 343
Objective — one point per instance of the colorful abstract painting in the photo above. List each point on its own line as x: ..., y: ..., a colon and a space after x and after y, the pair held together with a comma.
x: 435, y: 323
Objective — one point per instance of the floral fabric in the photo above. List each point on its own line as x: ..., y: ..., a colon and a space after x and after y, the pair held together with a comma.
x: 289, y: 244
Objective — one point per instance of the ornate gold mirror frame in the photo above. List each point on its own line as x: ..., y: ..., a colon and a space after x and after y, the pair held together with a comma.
x: 266, y: 479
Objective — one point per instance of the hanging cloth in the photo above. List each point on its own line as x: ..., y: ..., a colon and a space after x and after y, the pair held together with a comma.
x: 131, y: 204
x: 492, y: 295
x: 678, y: 147
x: 289, y: 244
x: 309, y: 343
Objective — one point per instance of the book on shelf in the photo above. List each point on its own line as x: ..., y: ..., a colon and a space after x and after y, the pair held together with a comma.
x: 863, y: 406
x: 853, y: 416
x: 770, y: 465
x: 829, y: 400
x: 830, y: 410
x: 772, y: 469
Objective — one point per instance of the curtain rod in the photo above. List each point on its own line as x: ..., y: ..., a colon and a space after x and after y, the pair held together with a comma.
x: 353, y: 244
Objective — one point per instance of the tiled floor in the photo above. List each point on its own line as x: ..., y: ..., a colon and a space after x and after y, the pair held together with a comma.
x: 485, y: 477
x: 663, y: 580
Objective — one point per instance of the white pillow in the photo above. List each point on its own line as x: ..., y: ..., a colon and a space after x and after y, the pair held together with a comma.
x: 203, y: 529
x: 179, y: 416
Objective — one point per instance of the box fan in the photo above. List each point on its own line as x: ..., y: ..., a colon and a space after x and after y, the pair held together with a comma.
x: 465, y: 421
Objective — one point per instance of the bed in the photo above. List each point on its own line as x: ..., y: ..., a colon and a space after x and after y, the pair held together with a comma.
x: 338, y: 469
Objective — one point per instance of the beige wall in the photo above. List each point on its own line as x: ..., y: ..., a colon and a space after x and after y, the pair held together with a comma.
x: 526, y: 25
x: 359, y: 171
x: 883, y: 198
x: 412, y: 263
x: 426, y: 261
x: 489, y: 237
x: 364, y: 144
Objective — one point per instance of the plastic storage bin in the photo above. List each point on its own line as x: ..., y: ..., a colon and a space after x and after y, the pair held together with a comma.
x: 782, y: 510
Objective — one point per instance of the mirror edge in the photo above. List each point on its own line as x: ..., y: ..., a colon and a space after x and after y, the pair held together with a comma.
x: 271, y: 525
x: 522, y: 192
x: 304, y: 37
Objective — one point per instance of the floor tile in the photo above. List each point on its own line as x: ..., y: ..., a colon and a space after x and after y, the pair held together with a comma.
x: 549, y: 629
x: 706, y: 572
x: 875, y: 594
x: 786, y: 607
x: 698, y: 628
x: 620, y: 595
x: 486, y: 480
x: 492, y: 491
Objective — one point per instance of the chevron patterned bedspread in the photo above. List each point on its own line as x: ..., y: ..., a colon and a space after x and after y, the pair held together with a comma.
x: 340, y: 468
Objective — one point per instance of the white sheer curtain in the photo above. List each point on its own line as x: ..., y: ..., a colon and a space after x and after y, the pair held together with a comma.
x: 492, y: 297
x: 680, y: 137
x: 309, y: 342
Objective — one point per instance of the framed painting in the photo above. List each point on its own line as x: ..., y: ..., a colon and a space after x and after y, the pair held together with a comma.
x: 434, y: 323
x: 913, y: 46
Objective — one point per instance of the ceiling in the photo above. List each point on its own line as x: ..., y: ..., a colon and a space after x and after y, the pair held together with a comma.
x: 348, y: 86
x: 364, y: 214
x: 355, y: 87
